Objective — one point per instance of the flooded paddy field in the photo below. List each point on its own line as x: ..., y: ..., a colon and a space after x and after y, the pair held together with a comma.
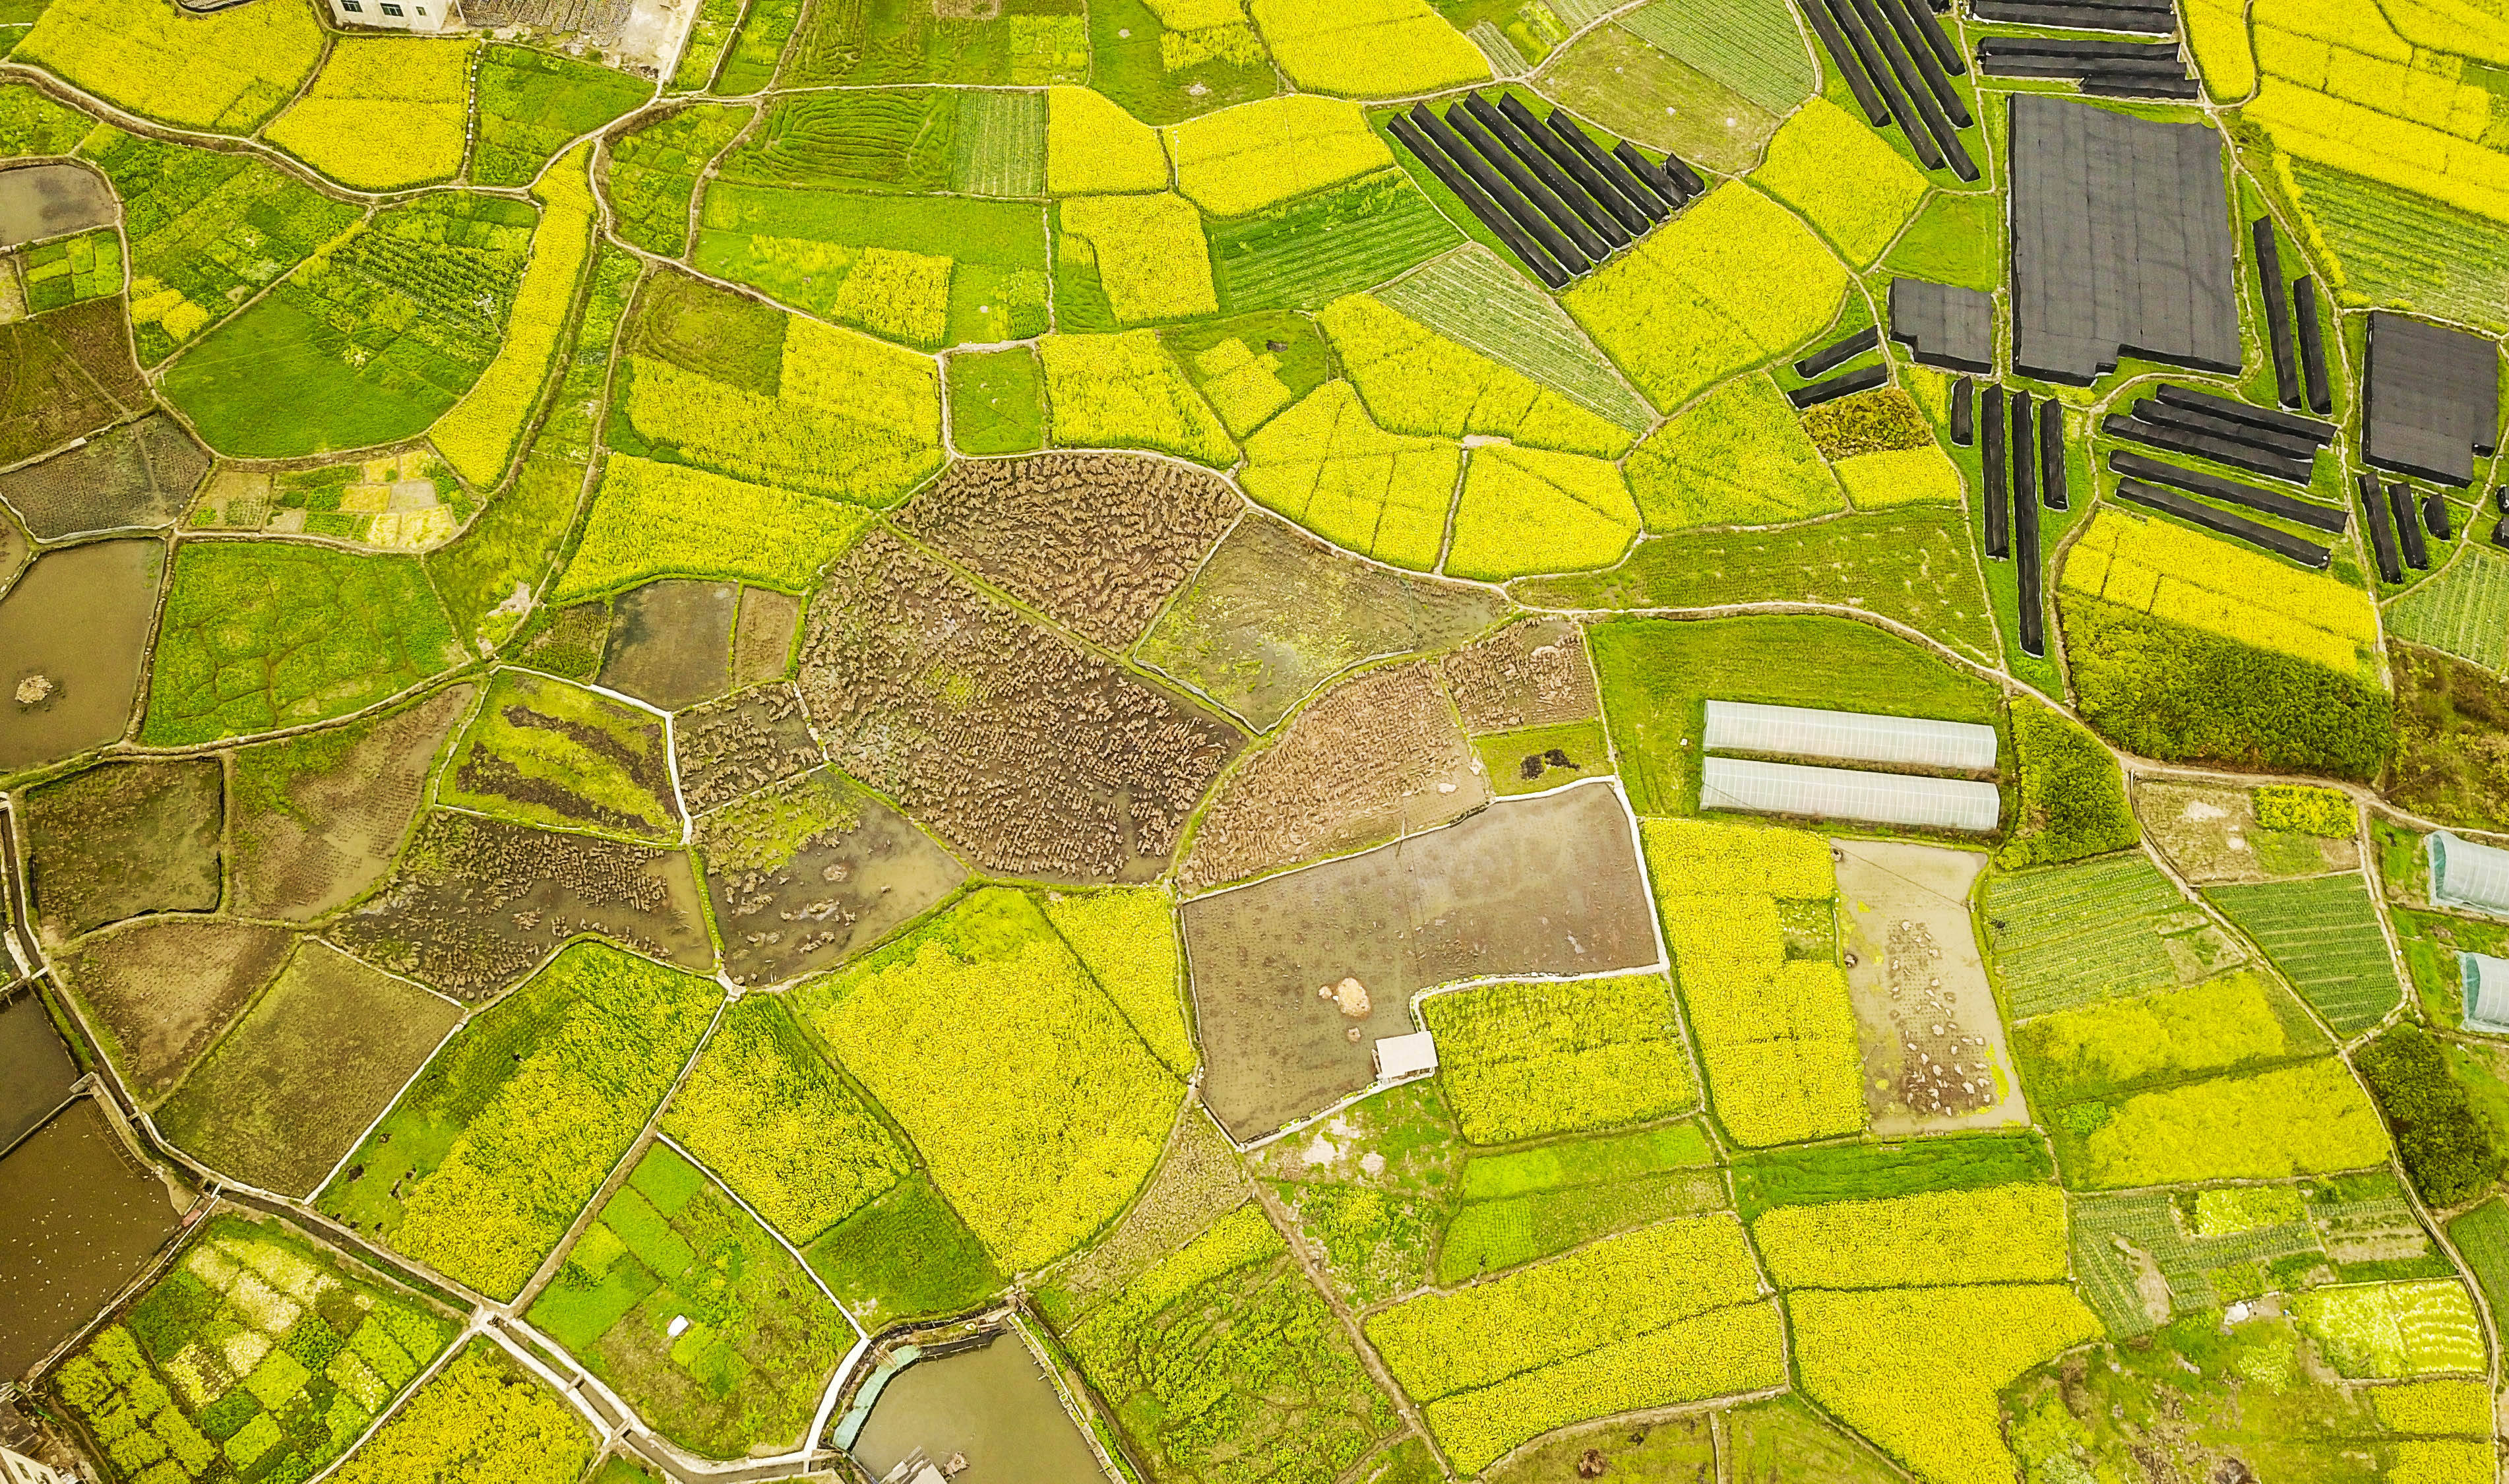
x: 994, y: 1407
x: 79, y: 1218
x: 42, y: 200
x: 1548, y: 885
x: 670, y: 642
x: 66, y: 687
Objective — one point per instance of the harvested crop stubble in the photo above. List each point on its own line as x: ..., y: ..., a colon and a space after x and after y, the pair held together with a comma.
x: 2310, y: 1119
x: 158, y: 992
x: 2005, y: 1234
x: 657, y: 520
x: 1858, y: 191
x: 1149, y: 254
x: 789, y: 1135
x: 1733, y: 282
x: 1666, y: 1313
x: 1530, y: 674
x: 1241, y: 159
x: 1032, y: 755
x: 259, y: 635
x: 1865, y: 1355
x: 1126, y: 391
x: 1526, y: 1060
x: 1097, y: 541
x: 225, y: 72
x: 1526, y: 510
x: 477, y: 437
x: 1367, y: 47
x: 416, y: 89
x: 1093, y: 146
x: 1037, y: 1108
x: 1739, y: 457
x: 1416, y: 381
x: 2182, y: 575
x: 1326, y: 465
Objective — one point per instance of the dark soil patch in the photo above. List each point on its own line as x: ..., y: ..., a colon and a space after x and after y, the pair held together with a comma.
x: 64, y: 374
x: 162, y: 992
x: 139, y: 474
x: 740, y: 744
x: 809, y: 873
x: 1032, y: 756
x: 65, y: 687
x: 477, y: 904
x: 1530, y: 674
x: 291, y: 1088
x: 670, y: 642
x: 1276, y: 613
x: 122, y: 838
x: 1542, y: 887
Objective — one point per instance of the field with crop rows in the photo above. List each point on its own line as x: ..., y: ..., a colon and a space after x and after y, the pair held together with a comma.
x: 2173, y: 573
x: 2462, y: 611
x: 2070, y: 935
x: 1307, y: 253
x: 2323, y: 936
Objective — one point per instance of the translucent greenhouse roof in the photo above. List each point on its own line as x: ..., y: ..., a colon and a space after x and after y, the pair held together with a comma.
x: 1837, y: 793
x: 1852, y: 737
x: 2464, y: 874
x: 2487, y: 992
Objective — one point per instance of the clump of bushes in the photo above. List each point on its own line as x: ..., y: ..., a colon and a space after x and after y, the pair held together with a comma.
x: 2450, y: 1151
x: 2073, y: 793
x: 2166, y: 690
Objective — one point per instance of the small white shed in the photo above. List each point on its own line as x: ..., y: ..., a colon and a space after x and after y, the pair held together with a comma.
x: 1400, y: 1056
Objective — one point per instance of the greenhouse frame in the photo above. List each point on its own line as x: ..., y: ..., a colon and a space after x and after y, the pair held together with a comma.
x: 1837, y: 793
x: 2466, y: 875
x: 2487, y: 992
x: 1851, y: 736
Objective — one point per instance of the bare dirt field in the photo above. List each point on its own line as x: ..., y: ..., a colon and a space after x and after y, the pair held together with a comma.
x: 1375, y: 758
x: 803, y: 873
x: 670, y: 642
x: 740, y: 744
x: 124, y: 838
x: 1935, y: 1053
x: 1548, y: 885
x: 2209, y: 831
x: 1276, y: 613
x: 761, y: 639
x: 1030, y: 756
x: 1096, y: 541
x: 163, y: 990
x: 478, y: 903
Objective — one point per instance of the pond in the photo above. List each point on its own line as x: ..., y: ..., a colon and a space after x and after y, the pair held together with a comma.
x: 42, y: 200
x: 35, y: 1068
x: 993, y: 1406
x: 79, y: 1218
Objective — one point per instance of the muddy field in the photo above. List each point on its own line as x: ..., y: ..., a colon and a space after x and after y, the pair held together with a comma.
x: 1030, y: 756
x: 139, y: 474
x: 35, y: 1068
x: 79, y: 1218
x: 1539, y: 886
x: 478, y: 903
x: 317, y: 821
x: 162, y: 992
x: 2209, y: 831
x: 762, y: 638
x: 1096, y: 541
x: 17, y: 549
x: 64, y: 374
x: 1529, y: 674
x: 740, y: 744
x: 68, y: 688
x: 810, y: 871
x: 670, y: 642
x: 124, y: 838
x: 288, y: 1091
x: 41, y: 200
x: 1276, y: 613
x: 1375, y: 758
x: 1935, y: 1053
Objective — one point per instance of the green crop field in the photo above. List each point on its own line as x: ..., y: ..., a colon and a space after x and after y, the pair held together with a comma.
x: 532, y: 104
x: 2323, y: 936
x: 1378, y: 227
x: 2462, y: 611
x: 1471, y: 298
x: 2070, y: 935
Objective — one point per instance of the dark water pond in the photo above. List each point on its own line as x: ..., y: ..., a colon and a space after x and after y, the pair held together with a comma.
x: 41, y: 200
x: 35, y: 1068
x: 79, y: 1218
x: 66, y: 687
x: 995, y: 1406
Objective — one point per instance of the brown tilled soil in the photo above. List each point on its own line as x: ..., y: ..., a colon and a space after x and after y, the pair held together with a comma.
x: 138, y: 474
x: 1373, y: 757
x: 1033, y: 758
x: 1095, y: 540
x: 761, y: 642
x: 1530, y: 674
x: 64, y: 374
x: 324, y: 837
x: 1539, y: 886
x: 808, y: 873
x: 165, y: 989
x: 1276, y: 613
x: 670, y: 642
x: 122, y: 838
x: 2209, y: 831
x: 740, y: 744
x: 478, y: 903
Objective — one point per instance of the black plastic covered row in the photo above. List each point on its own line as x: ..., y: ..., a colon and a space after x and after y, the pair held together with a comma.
x: 2435, y: 513
x: 1963, y: 412
x: 1894, y: 96
x: 2052, y: 46
x: 2277, y: 296
x: 2025, y: 530
x: 2312, y: 345
x: 1850, y: 67
x: 2213, y: 424
x: 2409, y: 526
x: 2025, y: 453
x: 1564, y: 129
x: 2135, y: 19
x: 2308, y: 512
x: 2315, y: 431
x: 1502, y: 190
x: 1661, y: 181
x: 2255, y: 532
x: 1912, y: 48
x: 1478, y: 202
x: 2057, y: 64
x: 2052, y: 490
x: 1588, y: 181
x: 1946, y: 51
x: 2116, y: 85
x: 1830, y: 390
x: 1605, y: 235
x: 1999, y: 531
x: 2383, y: 531
x: 1566, y: 222
x: 2198, y: 446
x: 1839, y: 353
